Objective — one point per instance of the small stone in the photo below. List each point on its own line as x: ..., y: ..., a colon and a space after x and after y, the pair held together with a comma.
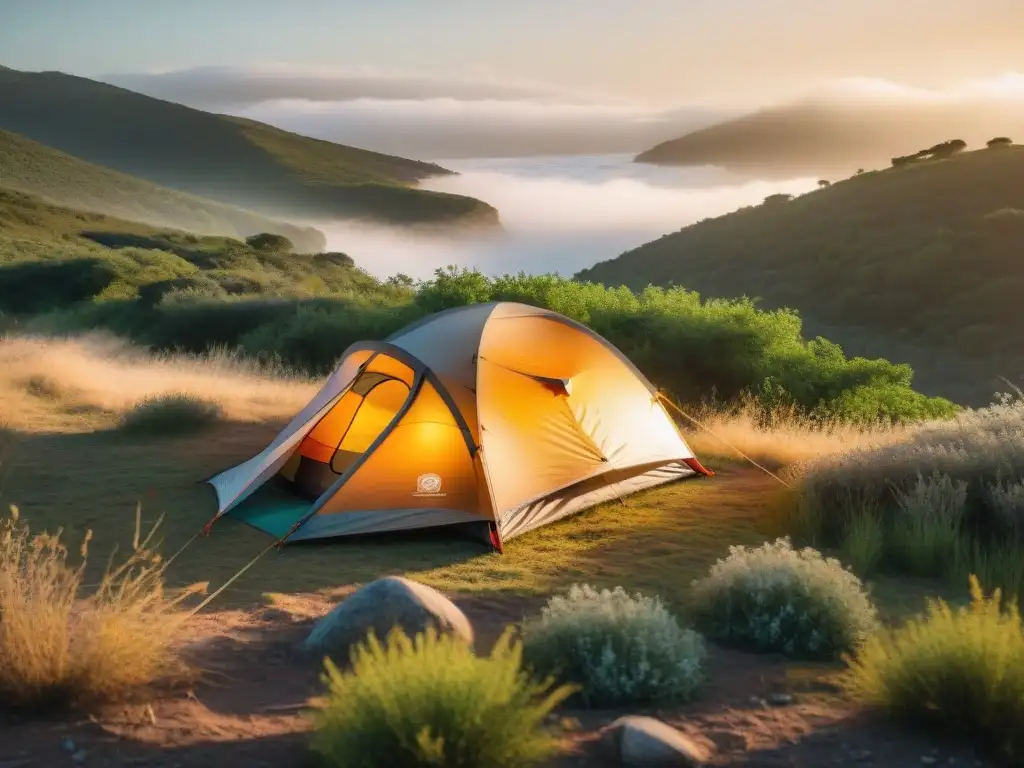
x: 862, y: 756
x: 780, y: 699
x: 644, y: 741
x: 79, y: 756
x: 68, y: 745
x: 928, y: 760
x: 757, y: 701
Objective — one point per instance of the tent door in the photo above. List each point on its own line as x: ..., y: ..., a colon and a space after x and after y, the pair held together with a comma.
x: 345, y: 432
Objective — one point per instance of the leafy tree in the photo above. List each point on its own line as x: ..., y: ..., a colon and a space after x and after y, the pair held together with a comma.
x: 999, y: 141
x: 824, y: 183
x: 268, y: 241
x: 780, y: 197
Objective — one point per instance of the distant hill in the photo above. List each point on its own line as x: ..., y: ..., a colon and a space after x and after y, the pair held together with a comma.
x: 54, y: 258
x: 59, y: 178
x: 822, y: 137
x: 922, y: 263
x: 232, y: 160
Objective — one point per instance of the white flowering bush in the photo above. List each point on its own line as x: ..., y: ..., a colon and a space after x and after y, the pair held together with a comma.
x: 618, y: 648
x: 774, y: 598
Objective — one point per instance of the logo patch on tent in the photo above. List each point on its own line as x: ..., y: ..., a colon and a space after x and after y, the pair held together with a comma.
x: 428, y: 484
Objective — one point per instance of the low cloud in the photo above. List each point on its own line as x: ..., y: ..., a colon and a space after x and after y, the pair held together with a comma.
x: 557, y: 217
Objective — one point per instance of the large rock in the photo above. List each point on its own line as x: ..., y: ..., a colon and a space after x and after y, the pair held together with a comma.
x: 379, y: 607
x: 644, y: 741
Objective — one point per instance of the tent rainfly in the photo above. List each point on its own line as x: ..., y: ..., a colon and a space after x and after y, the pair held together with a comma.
x: 497, y: 418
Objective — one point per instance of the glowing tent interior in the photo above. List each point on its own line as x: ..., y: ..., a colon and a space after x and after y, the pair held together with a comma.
x: 497, y: 418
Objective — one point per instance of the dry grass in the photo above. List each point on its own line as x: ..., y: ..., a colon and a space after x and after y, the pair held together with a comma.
x: 88, y: 382
x: 63, y: 473
x: 782, y: 439
x: 58, y: 650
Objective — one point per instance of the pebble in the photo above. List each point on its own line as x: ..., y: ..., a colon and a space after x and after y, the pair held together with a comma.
x: 79, y: 756
x: 929, y: 760
x: 68, y: 745
x: 781, y: 699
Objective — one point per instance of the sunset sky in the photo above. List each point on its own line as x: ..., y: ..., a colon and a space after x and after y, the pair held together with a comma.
x: 650, y: 51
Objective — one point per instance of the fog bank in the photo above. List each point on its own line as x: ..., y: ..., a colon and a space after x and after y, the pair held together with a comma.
x: 560, y: 214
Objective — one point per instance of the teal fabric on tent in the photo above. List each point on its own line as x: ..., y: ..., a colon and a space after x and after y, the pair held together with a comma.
x: 272, y: 510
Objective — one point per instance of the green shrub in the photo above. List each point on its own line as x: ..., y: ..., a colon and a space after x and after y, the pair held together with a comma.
x: 961, y: 670
x: 170, y: 415
x: 778, y: 599
x: 928, y: 524
x: 618, y: 648
x: 429, y: 701
x: 864, y: 541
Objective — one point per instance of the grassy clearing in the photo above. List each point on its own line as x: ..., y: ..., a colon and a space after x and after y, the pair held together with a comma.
x: 57, y: 650
x: 431, y: 701
x: 959, y: 670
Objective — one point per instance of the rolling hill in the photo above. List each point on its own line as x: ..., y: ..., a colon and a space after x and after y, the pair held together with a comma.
x: 53, y: 258
x: 823, y: 137
x: 231, y: 160
x: 921, y: 263
x: 33, y: 168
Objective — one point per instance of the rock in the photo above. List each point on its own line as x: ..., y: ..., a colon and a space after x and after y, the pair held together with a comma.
x: 780, y: 699
x: 379, y: 607
x: 644, y: 741
x: 929, y: 760
x: 68, y: 745
x: 79, y: 756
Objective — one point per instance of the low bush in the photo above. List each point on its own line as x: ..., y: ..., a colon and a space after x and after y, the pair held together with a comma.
x: 778, y: 599
x: 948, y: 495
x: 170, y: 415
x: 57, y: 650
x: 928, y: 525
x: 961, y: 670
x: 618, y: 648
x: 429, y: 701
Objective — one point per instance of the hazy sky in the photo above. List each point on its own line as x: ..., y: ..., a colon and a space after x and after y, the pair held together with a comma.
x: 655, y: 51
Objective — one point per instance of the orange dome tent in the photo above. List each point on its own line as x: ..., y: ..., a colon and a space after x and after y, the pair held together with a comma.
x: 496, y: 417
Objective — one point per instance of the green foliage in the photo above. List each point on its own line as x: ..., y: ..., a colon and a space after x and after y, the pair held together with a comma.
x: 962, y: 671
x: 267, y: 241
x: 619, y: 649
x: 999, y: 142
x: 948, y: 487
x: 905, y: 263
x: 174, y: 290
x: 430, y: 702
x: 928, y: 524
x: 778, y: 599
x: 229, y: 159
x: 174, y: 414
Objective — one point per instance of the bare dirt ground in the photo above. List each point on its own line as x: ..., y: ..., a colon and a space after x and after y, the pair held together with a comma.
x: 248, y: 708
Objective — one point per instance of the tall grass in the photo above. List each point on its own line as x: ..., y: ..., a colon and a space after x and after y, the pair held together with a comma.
x: 961, y: 671
x: 58, y: 649
x: 948, y: 497
x: 101, y: 374
x: 429, y: 701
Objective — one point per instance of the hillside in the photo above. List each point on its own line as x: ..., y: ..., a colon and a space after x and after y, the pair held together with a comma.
x: 30, y: 167
x: 831, y: 137
x: 52, y: 258
x: 234, y: 161
x: 919, y: 263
